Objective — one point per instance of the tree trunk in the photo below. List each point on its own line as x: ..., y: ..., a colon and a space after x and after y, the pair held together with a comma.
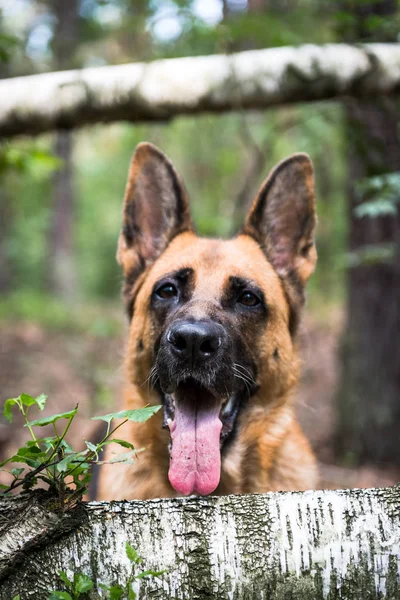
x: 163, y: 89
x: 62, y: 276
x: 295, y: 546
x: 62, y: 272
x: 5, y: 225
x: 369, y: 407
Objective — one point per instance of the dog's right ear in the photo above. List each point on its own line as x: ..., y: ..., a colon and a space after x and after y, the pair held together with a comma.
x: 155, y: 210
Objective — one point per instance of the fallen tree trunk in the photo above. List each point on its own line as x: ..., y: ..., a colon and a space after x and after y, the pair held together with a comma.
x: 297, y: 546
x: 166, y: 88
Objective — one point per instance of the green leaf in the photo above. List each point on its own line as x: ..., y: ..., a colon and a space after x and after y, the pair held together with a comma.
x: 3, y: 486
x: 7, y: 412
x: 26, y: 455
x: 31, y: 451
x: 82, y: 583
x: 132, y: 554
x: 131, y: 593
x: 375, y: 208
x: 71, y: 460
x: 17, y: 472
x: 41, y: 401
x: 27, y: 400
x: 60, y: 596
x: 92, y: 447
x: 115, y: 592
x: 52, y: 419
x: 18, y: 597
x: 63, y: 576
x: 125, y: 457
x: 122, y: 443
x: 138, y: 415
x: 149, y: 573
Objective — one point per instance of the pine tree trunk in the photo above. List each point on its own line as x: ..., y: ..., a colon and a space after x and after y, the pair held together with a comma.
x: 369, y: 396
x: 295, y: 546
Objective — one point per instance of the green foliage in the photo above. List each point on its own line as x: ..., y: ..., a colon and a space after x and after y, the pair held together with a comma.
x: 210, y: 151
x: 82, y: 583
x: 379, y: 195
x: 52, y: 460
x: 372, y: 255
x: 79, y: 585
x: 8, y: 44
x: 375, y: 208
x: 98, y: 319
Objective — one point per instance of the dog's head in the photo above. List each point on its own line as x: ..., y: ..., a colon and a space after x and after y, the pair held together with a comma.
x: 213, y: 321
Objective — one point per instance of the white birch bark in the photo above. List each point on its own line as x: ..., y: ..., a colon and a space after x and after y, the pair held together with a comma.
x: 164, y: 89
x: 294, y: 546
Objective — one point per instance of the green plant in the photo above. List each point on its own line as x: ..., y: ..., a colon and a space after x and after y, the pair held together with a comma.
x: 82, y: 583
x: 52, y: 461
x: 378, y: 195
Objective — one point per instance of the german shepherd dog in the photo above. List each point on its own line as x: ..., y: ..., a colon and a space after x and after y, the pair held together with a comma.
x: 213, y: 337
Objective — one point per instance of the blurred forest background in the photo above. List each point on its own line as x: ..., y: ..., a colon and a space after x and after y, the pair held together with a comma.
x: 62, y: 324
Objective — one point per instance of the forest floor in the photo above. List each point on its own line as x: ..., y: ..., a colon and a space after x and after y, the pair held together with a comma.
x: 72, y: 367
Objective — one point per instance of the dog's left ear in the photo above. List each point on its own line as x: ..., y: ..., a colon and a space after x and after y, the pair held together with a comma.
x: 155, y: 210
x: 282, y: 218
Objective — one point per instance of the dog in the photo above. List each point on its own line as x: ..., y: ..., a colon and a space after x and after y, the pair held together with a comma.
x: 212, y: 338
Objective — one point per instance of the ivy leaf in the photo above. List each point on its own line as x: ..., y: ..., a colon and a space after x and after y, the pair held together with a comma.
x: 53, y: 418
x: 132, y: 554
x: 82, y: 583
x: 138, y: 415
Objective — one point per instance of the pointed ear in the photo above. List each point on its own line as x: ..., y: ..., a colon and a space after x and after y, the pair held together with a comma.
x: 282, y: 218
x: 155, y: 210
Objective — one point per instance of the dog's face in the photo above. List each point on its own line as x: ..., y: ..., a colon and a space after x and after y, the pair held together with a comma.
x: 213, y: 321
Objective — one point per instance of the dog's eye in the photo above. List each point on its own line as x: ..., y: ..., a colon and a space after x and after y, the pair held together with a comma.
x: 248, y: 299
x: 167, y: 291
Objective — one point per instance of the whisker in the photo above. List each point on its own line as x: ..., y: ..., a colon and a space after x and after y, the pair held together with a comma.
x: 150, y: 379
x: 247, y: 375
x: 243, y: 370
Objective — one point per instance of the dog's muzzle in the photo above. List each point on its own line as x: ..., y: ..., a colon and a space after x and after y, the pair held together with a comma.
x: 193, y: 343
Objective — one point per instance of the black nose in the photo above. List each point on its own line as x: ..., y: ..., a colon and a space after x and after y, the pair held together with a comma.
x: 195, y: 341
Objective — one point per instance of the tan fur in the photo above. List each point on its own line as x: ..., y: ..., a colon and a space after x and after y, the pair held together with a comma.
x: 269, y: 451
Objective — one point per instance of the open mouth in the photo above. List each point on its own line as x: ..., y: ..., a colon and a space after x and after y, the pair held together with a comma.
x: 199, y: 422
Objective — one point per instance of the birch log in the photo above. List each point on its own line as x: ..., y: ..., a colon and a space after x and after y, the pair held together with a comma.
x: 163, y: 89
x: 294, y: 546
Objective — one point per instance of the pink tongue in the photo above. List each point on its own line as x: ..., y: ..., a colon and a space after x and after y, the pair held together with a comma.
x: 195, y: 464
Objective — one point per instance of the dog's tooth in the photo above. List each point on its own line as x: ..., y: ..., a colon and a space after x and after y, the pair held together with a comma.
x: 171, y: 424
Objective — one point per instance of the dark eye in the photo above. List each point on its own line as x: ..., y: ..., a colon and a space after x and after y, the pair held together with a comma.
x: 248, y: 299
x: 167, y: 291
